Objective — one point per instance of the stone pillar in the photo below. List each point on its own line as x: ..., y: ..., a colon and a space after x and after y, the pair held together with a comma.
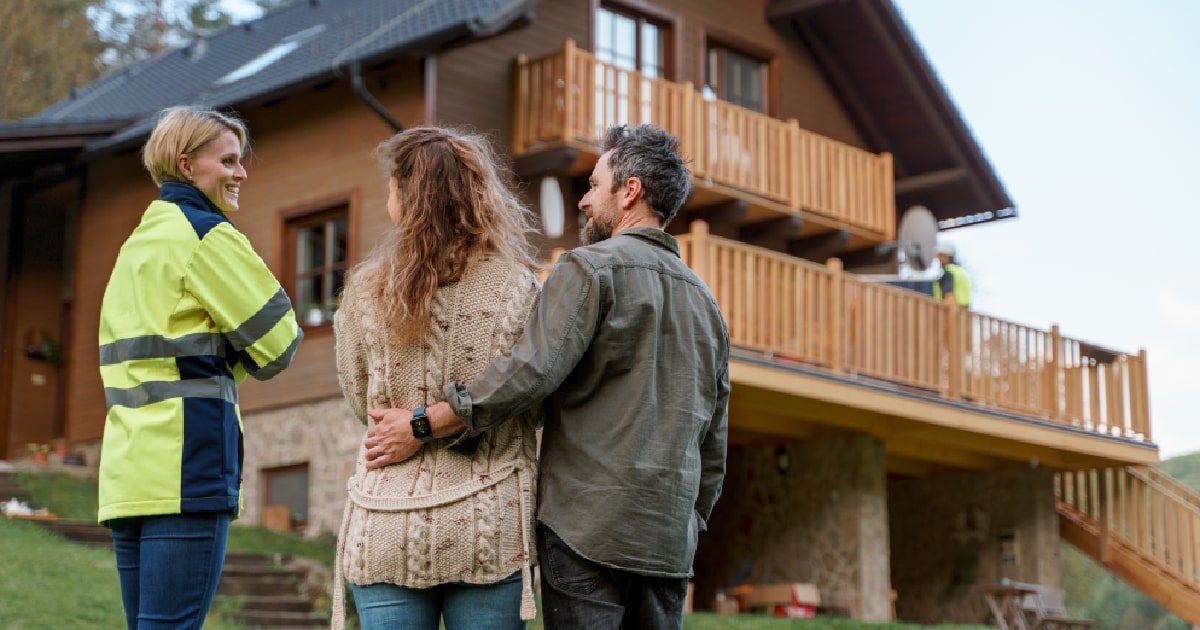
x: 952, y: 531
x: 325, y: 435
x: 821, y: 519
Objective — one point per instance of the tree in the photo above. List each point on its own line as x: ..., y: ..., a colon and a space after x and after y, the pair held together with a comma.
x: 47, y: 48
x: 134, y: 30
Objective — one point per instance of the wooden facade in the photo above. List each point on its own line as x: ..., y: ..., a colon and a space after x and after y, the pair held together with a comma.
x: 789, y: 203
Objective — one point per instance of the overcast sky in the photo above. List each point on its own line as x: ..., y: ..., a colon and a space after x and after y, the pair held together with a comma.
x: 1086, y: 109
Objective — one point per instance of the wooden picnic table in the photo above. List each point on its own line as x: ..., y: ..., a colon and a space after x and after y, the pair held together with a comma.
x: 1005, y: 600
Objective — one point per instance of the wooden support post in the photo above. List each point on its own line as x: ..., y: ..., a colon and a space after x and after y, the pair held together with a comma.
x: 688, y: 141
x: 794, y: 166
x: 1143, y: 398
x: 954, y: 351
x: 699, y: 261
x: 569, y: 109
x: 1106, y: 505
x: 1054, y: 375
x: 887, y: 206
x: 837, y: 315
x: 522, y: 104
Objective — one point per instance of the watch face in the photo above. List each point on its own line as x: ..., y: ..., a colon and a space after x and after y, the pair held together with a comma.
x: 421, y: 428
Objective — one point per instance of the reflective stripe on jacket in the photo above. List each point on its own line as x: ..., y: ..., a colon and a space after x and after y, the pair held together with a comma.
x: 189, y: 311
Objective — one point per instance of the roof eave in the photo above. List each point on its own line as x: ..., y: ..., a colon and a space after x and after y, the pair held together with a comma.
x: 966, y: 165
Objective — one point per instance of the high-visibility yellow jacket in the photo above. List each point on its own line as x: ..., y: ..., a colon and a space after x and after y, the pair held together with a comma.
x: 189, y: 311
x: 954, y: 279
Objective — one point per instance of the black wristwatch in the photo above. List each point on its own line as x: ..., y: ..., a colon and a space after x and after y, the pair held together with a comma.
x: 420, y: 426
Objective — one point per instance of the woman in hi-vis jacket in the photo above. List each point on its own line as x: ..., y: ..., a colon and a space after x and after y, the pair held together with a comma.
x: 190, y: 310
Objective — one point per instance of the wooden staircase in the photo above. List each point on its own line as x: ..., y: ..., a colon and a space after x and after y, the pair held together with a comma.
x: 1141, y: 525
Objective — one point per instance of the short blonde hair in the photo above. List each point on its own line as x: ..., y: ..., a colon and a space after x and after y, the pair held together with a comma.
x: 181, y: 130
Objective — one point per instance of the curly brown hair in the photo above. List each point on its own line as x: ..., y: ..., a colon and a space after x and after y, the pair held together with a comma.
x: 458, y: 206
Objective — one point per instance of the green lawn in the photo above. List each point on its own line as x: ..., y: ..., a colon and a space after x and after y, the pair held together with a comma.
x: 46, y: 582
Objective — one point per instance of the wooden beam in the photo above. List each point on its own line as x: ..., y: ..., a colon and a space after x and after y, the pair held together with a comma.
x: 820, y: 247
x: 773, y: 234
x: 556, y: 161
x: 936, y: 118
x: 776, y: 425
x: 787, y: 9
x: 930, y: 180
x: 896, y: 465
x: 866, y: 256
x: 943, y: 454
x: 889, y: 414
x: 724, y: 219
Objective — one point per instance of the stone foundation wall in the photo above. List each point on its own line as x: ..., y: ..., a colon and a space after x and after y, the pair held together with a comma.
x: 325, y: 435
x: 952, y: 531
x: 823, y: 520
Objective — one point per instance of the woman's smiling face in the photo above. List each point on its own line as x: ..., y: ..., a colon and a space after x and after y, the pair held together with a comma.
x: 216, y: 169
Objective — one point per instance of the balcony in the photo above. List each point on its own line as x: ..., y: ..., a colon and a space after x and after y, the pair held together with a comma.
x: 795, y: 311
x: 797, y: 314
x: 568, y: 98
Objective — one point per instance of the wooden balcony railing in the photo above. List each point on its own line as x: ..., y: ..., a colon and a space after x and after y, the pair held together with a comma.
x: 571, y: 97
x: 819, y: 315
x: 1143, y: 511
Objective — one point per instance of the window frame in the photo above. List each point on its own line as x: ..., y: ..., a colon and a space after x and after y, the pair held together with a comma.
x: 667, y: 22
x: 292, y: 219
x: 295, y: 525
x: 710, y: 38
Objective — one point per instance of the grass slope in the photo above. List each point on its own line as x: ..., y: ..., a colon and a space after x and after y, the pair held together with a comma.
x: 48, y: 582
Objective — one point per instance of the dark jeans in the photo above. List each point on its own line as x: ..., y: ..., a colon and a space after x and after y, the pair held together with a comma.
x: 578, y: 594
x: 169, y: 567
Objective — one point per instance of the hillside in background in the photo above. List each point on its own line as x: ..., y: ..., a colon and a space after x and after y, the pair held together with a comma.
x: 1185, y: 468
x: 1093, y: 592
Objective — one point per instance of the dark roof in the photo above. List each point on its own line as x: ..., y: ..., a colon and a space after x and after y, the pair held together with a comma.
x: 898, y: 103
x: 302, y: 43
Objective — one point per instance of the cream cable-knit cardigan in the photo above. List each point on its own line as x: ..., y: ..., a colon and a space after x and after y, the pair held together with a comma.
x: 441, y: 516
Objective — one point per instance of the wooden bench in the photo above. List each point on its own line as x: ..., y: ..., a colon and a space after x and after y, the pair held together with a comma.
x: 1045, y: 611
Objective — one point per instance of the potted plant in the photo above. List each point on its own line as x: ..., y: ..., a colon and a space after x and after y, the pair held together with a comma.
x: 38, y: 453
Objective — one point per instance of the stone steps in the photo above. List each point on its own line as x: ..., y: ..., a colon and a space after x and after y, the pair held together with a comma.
x: 276, y: 619
x: 268, y: 592
x: 10, y: 488
x: 84, y: 532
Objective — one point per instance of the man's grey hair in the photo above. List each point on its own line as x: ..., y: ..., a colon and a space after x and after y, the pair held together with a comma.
x: 651, y: 155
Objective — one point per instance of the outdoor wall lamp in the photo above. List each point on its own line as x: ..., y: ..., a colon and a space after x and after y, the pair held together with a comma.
x: 783, y: 461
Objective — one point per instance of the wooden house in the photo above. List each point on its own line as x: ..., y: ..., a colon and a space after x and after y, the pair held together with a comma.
x: 882, y: 444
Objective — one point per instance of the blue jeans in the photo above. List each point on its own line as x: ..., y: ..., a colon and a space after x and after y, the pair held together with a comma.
x: 169, y: 567
x: 578, y: 594
x: 463, y: 606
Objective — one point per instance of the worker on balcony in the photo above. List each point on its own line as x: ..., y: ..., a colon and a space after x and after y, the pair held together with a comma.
x: 954, y: 287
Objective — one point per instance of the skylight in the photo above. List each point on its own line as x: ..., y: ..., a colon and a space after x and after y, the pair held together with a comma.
x: 272, y: 54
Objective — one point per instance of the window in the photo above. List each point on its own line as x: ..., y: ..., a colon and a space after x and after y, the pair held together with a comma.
x: 287, y: 486
x: 316, y: 254
x: 736, y: 78
x: 627, y: 42
x: 630, y: 42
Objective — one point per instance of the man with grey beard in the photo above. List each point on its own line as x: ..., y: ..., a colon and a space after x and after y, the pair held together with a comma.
x: 631, y: 355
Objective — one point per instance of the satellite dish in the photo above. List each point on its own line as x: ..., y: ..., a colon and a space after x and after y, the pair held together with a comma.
x: 917, y: 237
